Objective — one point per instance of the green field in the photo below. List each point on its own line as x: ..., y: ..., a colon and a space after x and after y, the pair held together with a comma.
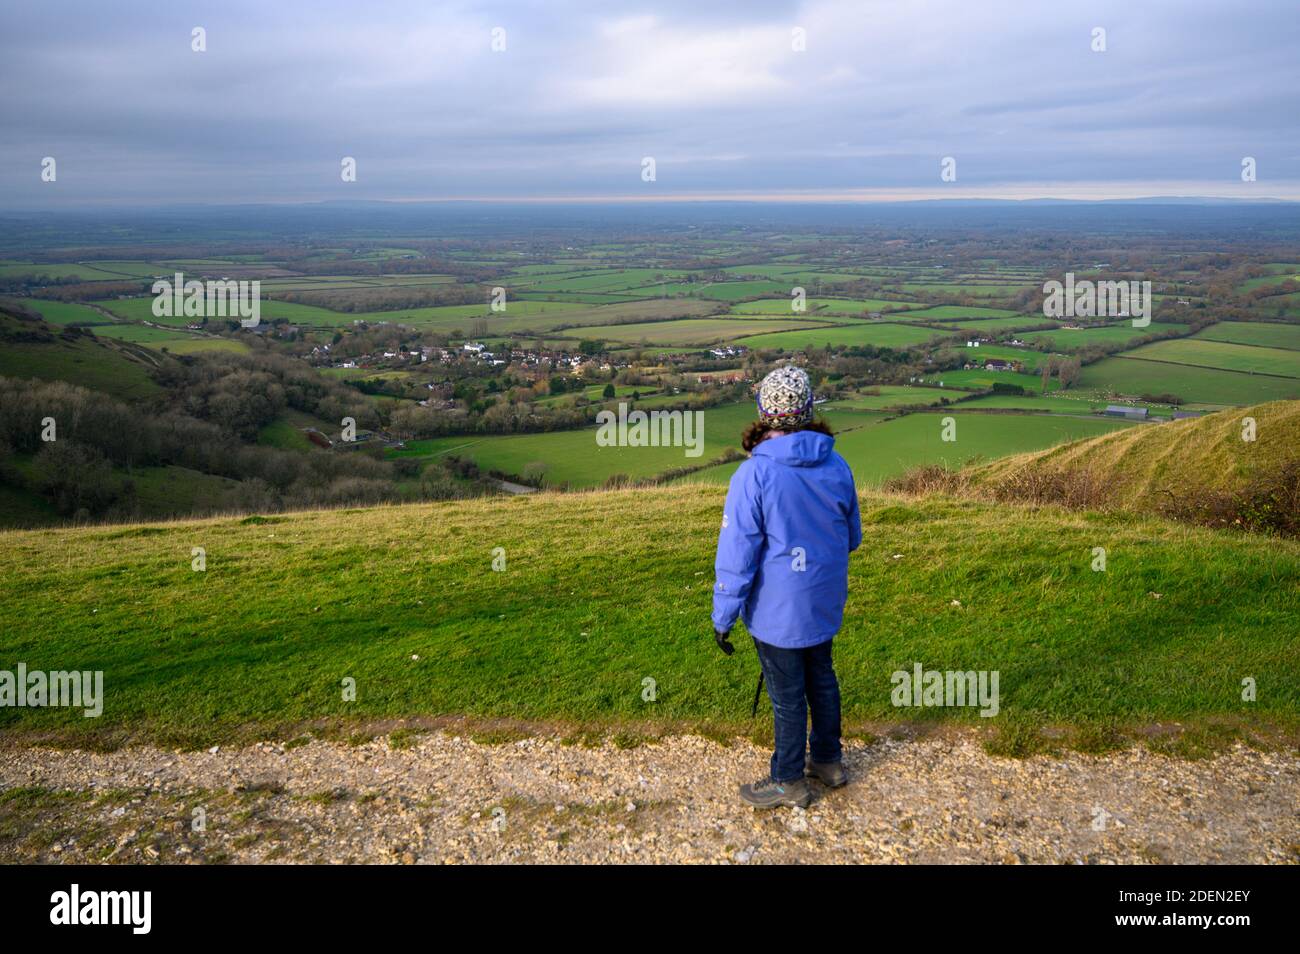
x: 1263, y: 334
x: 201, y: 345
x: 872, y: 449
x: 574, y: 458
x: 889, y: 448
x: 179, y: 342
x: 1000, y: 327
x: 878, y: 333
x: 1026, y: 356
x: 65, y: 312
x: 689, y: 331
x: 587, y: 280
x: 600, y: 592
x: 965, y: 290
x: 596, y: 392
x: 1076, y: 339
x: 1133, y: 376
x: 582, y: 298
x: 892, y: 395
x: 879, y: 449
x: 947, y: 312
x: 1283, y: 273
x: 979, y: 379
x: 1251, y: 359
x: 1056, y: 403
x: 860, y: 307
x: 87, y: 272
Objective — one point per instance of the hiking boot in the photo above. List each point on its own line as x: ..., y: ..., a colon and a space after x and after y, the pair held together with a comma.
x: 830, y: 774
x: 770, y: 794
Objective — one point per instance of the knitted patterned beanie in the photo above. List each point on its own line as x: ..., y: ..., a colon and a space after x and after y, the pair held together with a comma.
x: 785, y: 398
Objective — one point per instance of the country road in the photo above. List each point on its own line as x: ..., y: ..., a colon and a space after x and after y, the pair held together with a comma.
x: 442, y: 798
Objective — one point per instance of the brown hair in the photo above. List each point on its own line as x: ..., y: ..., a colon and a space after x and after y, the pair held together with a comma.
x: 755, y: 432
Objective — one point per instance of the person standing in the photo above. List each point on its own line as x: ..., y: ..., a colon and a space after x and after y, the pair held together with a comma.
x: 789, y: 523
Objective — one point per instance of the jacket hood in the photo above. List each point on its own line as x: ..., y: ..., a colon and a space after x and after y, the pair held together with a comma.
x: 800, y: 449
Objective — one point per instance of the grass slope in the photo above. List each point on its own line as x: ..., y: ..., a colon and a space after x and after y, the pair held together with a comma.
x: 602, y: 591
x: 97, y: 363
x: 1143, y: 462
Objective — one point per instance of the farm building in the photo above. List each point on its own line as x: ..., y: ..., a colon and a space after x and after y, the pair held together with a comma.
x: 1132, y: 413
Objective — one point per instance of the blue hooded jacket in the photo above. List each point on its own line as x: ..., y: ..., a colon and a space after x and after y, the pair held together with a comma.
x: 790, y: 521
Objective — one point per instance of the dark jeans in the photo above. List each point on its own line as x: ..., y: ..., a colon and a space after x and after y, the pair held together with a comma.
x: 799, y: 680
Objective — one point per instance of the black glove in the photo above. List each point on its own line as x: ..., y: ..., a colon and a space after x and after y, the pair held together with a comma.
x: 724, y: 643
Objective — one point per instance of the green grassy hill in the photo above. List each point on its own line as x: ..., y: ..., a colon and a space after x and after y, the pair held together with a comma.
x: 603, y: 591
x: 1142, y: 465
x: 33, y: 349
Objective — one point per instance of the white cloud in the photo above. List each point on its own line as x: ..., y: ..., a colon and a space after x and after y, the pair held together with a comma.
x: 645, y: 62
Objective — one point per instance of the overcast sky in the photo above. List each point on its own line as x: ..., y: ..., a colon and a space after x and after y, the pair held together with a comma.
x: 583, y: 92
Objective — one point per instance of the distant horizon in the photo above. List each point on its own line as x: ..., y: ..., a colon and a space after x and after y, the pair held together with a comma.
x: 776, y: 198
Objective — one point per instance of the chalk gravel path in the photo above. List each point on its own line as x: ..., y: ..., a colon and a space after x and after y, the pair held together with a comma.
x: 446, y: 799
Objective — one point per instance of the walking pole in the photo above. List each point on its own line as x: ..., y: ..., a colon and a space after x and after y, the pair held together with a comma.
x: 757, y: 692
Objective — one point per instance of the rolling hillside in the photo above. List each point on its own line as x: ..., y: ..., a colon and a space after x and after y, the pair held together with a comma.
x: 1142, y: 465
x: 603, y: 591
x: 30, y: 348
